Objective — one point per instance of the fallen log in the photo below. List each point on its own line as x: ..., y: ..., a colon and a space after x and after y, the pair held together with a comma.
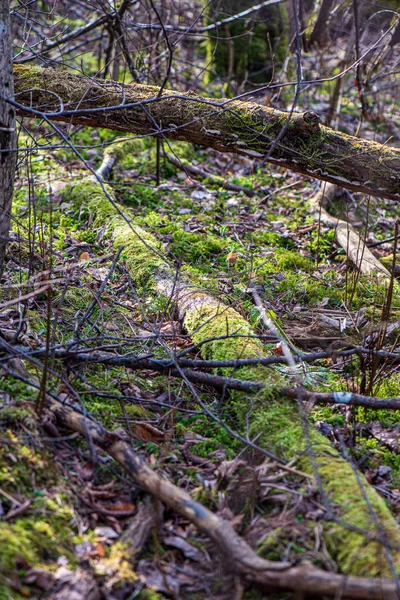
x: 245, y: 128
x: 238, y: 555
x: 346, y: 236
x: 221, y: 333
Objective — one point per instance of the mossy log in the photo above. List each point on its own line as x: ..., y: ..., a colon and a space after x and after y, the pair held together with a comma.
x: 236, y: 553
x: 361, y: 526
x: 246, y: 128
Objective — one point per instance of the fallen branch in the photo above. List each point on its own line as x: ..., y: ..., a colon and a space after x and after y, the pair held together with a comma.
x: 346, y: 236
x: 166, y: 367
x: 245, y: 128
x: 226, y: 185
x: 238, y: 556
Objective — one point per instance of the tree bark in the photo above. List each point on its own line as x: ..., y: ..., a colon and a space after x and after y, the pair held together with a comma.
x: 319, y: 33
x: 276, y: 420
x: 228, y: 126
x: 8, y: 137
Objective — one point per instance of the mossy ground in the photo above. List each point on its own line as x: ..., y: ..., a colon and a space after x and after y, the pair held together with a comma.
x: 48, y: 528
x: 224, y: 243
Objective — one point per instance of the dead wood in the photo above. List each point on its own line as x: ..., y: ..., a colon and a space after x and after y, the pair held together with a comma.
x: 245, y: 128
x: 137, y: 534
x: 236, y: 552
x: 346, y: 236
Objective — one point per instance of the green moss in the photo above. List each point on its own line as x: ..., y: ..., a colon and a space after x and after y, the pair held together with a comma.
x: 283, y: 431
x: 217, y: 436
x: 43, y: 533
x: 277, y: 422
x: 141, y: 252
x: 293, y: 260
x: 122, y: 147
x: 327, y: 415
x: 192, y: 248
x: 353, y: 553
x: 207, y: 321
x: 16, y: 389
x: 269, y: 238
x: 297, y: 286
x: 88, y: 195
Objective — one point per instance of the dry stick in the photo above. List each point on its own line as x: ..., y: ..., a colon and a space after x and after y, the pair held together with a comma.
x: 346, y: 236
x: 221, y: 382
x: 33, y: 294
x: 147, y: 360
x: 188, y: 168
x: 239, y: 556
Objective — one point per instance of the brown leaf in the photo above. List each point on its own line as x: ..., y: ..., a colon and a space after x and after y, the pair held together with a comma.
x: 84, y: 256
x: 171, y: 328
x: 99, y: 551
x: 231, y: 258
x: 148, y: 433
x: 277, y: 350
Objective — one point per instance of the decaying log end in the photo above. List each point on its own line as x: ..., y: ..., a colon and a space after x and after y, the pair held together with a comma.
x: 307, y: 122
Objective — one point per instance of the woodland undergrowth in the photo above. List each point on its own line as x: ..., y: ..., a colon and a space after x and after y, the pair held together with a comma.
x: 66, y: 287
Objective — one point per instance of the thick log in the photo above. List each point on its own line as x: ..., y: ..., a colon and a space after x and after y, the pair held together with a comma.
x: 246, y: 128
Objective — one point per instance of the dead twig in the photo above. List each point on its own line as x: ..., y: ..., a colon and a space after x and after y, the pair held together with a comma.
x: 238, y: 555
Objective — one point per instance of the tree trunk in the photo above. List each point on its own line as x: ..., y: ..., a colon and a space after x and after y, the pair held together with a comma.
x: 276, y: 422
x: 319, y: 33
x: 228, y: 126
x: 8, y: 137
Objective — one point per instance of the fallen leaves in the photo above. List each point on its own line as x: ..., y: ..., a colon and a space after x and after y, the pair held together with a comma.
x: 149, y: 433
x: 231, y: 258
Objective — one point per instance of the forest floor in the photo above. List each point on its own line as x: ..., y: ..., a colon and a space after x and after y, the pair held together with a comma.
x: 67, y: 505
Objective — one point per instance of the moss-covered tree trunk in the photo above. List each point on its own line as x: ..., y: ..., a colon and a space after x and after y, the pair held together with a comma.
x: 362, y: 526
x: 228, y: 126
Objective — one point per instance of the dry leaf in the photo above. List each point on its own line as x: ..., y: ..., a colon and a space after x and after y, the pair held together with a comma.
x: 231, y: 258
x: 148, y: 433
x: 99, y: 551
x: 277, y: 350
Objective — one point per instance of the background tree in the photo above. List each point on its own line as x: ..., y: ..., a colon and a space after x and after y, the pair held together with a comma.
x: 8, y: 133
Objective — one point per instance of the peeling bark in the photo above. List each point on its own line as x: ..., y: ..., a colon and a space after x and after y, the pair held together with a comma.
x: 228, y: 126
